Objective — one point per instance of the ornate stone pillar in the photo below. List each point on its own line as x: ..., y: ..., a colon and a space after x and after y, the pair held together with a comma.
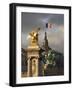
x: 28, y: 67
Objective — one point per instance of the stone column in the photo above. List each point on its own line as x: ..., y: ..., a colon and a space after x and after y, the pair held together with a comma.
x: 28, y: 67
x: 37, y: 67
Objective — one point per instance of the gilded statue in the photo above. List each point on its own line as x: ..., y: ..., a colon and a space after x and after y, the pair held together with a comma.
x: 34, y: 37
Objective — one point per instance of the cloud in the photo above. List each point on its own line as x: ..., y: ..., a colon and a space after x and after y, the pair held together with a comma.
x: 57, y: 19
x: 55, y: 36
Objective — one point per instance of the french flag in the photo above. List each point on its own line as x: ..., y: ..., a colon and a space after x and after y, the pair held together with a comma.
x: 49, y: 25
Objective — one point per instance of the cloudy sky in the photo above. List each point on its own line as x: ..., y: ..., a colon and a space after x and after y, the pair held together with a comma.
x: 55, y: 34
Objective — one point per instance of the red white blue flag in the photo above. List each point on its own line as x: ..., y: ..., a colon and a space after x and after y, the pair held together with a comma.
x: 49, y: 25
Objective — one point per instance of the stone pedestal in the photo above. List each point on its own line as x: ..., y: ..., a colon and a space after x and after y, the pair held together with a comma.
x: 33, y: 61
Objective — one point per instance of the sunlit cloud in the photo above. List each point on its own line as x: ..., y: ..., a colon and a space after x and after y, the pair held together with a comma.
x: 55, y: 35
